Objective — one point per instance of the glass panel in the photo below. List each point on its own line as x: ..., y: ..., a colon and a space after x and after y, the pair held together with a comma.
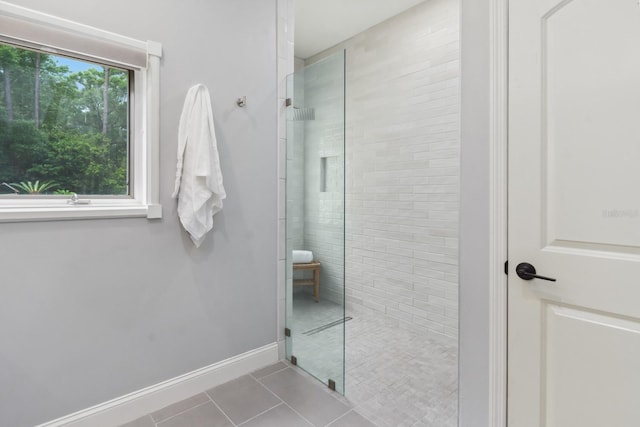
x: 315, y: 219
x: 64, y: 125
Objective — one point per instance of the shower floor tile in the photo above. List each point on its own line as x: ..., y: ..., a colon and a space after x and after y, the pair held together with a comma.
x: 394, y: 376
x: 317, y: 337
x: 397, y: 377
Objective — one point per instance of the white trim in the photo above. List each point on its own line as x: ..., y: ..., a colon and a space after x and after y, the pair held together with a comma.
x: 25, y: 214
x: 30, y: 16
x: 142, y: 402
x: 49, y: 208
x: 36, y: 16
x: 285, y: 38
x: 498, y: 146
x: 151, y: 172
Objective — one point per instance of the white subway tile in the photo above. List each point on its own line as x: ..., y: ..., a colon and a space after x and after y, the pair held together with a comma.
x: 402, y: 177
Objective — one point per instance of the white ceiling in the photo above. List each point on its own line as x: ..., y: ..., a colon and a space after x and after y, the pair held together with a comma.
x: 320, y: 24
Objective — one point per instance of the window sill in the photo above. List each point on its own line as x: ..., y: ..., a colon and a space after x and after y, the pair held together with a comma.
x: 75, y: 212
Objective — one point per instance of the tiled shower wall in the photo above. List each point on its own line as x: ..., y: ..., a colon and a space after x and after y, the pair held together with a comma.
x: 295, y: 167
x: 324, y: 172
x: 403, y: 126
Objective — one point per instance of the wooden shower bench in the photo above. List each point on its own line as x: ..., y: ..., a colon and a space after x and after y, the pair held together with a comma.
x: 315, y: 281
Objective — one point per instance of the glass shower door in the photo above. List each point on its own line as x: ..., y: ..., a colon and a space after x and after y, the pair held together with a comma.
x: 315, y: 316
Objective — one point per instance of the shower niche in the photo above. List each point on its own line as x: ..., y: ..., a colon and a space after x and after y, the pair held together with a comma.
x: 315, y: 225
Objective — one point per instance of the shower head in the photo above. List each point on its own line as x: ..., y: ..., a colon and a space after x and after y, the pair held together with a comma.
x: 302, y: 114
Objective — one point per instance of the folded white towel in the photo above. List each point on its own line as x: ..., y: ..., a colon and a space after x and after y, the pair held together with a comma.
x: 198, y: 175
x: 302, y: 257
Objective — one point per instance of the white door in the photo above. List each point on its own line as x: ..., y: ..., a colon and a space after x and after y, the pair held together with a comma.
x: 574, y: 213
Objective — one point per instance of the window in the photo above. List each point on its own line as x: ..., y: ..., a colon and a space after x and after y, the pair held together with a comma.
x: 64, y: 125
x: 78, y: 120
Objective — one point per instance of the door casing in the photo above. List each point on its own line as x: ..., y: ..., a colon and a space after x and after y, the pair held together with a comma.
x: 498, y: 216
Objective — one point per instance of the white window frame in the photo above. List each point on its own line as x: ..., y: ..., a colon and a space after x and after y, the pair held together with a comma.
x: 30, y: 28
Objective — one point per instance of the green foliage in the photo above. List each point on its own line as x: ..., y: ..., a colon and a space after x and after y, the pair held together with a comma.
x: 34, y: 187
x: 21, y: 146
x: 82, y: 164
x: 69, y: 145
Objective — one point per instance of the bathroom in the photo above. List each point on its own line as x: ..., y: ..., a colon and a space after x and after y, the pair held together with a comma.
x: 106, y: 285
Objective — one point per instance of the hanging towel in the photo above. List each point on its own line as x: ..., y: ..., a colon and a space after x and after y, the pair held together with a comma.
x: 198, y: 177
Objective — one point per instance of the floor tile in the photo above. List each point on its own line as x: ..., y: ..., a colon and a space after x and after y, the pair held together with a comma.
x: 179, y: 407
x: 260, y: 373
x: 352, y: 419
x: 243, y: 398
x: 280, y: 416
x: 395, y: 376
x: 308, y: 399
x: 318, y: 350
x: 205, y: 415
x: 145, y: 421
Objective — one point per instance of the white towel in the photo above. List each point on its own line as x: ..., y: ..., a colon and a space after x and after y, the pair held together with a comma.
x: 198, y: 175
x: 302, y: 257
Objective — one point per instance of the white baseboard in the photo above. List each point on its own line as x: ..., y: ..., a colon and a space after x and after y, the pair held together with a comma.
x: 137, y: 404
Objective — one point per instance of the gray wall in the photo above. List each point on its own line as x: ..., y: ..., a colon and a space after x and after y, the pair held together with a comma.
x: 474, y: 215
x: 402, y: 183
x: 92, y: 310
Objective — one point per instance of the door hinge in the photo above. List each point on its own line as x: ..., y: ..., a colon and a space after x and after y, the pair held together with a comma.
x: 294, y: 360
x: 506, y: 267
x: 288, y: 102
x: 287, y: 332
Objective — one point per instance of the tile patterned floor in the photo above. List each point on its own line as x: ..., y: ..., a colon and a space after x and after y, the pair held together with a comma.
x: 400, y: 378
x: 394, y: 377
x: 276, y: 396
x: 320, y: 353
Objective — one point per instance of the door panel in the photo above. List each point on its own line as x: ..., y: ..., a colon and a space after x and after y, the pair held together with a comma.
x: 590, y: 107
x: 591, y: 368
x: 574, y: 212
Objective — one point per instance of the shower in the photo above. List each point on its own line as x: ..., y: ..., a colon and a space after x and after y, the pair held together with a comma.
x: 372, y: 189
x: 298, y: 114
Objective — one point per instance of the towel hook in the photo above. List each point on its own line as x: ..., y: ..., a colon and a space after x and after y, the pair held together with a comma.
x: 242, y: 101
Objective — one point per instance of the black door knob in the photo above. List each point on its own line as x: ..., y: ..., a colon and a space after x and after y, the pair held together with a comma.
x: 526, y: 271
